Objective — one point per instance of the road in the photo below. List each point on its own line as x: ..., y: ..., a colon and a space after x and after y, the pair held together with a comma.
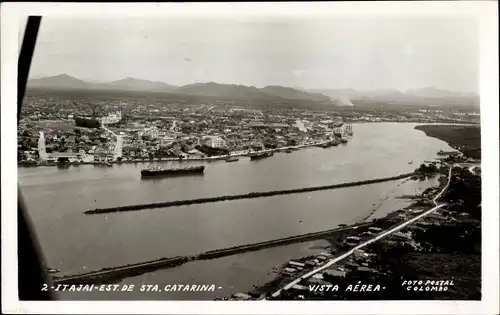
x: 372, y: 240
x: 108, y: 130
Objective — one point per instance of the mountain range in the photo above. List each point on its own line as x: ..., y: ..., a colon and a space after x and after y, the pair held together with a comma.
x: 325, y: 97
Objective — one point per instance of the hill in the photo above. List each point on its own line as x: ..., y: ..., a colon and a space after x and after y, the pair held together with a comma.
x: 290, y: 93
x: 133, y: 84
x: 422, y: 96
x: 226, y: 91
x: 62, y: 81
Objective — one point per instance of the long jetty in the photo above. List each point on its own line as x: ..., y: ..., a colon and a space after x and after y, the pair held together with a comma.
x: 251, y: 195
x: 118, y: 273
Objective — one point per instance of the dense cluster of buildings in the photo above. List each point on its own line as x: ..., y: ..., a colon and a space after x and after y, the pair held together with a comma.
x: 153, y: 129
x: 178, y: 132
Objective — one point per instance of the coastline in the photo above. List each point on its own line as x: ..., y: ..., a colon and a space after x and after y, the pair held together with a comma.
x: 420, y: 203
x: 211, y: 158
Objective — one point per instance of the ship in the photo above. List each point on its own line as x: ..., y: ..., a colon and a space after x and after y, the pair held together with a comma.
x: 161, y: 172
x: 260, y: 155
x: 337, y: 132
x: 349, y: 130
x: 343, y: 139
x: 232, y: 159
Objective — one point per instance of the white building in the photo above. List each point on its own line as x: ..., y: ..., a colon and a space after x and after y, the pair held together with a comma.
x: 215, y: 142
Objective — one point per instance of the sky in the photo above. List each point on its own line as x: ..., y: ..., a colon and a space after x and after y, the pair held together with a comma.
x: 330, y: 53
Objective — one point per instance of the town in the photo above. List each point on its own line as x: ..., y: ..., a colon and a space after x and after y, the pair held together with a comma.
x: 154, y: 129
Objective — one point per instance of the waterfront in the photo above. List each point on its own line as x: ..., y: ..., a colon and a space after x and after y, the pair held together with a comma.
x: 73, y: 243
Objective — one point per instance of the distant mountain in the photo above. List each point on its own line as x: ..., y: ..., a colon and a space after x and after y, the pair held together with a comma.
x: 436, y: 93
x: 336, y: 93
x: 225, y: 91
x: 62, y: 81
x: 278, y: 95
x: 139, y: 85
x: 423, y: 96
x: 289, y: 93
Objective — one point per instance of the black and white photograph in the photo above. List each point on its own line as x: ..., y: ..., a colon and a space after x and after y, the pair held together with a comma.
x: 254, y: 157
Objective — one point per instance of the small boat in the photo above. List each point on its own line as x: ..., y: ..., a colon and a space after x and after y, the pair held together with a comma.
x: 410, y: 162
x: 51, y: 270
x: 343, y: 139
x: 289, y: 151
x: 232, y: 159
x: 260, y: 155
x: 63, y: 164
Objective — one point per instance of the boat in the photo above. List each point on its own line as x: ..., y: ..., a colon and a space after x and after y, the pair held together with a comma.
x: 260, y: 155
x: 289, y: 150
x: 343, y: 139
x: 232, y: 159
x: 349, y: 130
x: 161, y: 172
x: 410, y: 162
x: 63, y: 163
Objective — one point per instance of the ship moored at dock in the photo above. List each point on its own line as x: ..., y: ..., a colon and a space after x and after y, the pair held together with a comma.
x: 161, y: 172
x: 260, y: 155
x: 232, y: 159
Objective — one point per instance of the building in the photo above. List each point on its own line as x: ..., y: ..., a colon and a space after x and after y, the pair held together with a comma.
x: 103, y: 155
x: 334, y: 273
x: 296, y: 264
x: 64, y: 156
x: 214, y: 142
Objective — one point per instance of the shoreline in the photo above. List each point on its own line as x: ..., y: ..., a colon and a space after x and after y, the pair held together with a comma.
x: 387, y: 222
x: 200, y: 159
x: 263, y: 291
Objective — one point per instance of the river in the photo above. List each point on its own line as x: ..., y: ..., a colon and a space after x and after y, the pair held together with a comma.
x: 74, y: 243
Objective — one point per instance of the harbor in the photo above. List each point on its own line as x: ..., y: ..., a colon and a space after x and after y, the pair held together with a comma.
x: 104, y: 187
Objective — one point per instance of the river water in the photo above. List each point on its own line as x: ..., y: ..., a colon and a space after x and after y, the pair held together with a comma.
x: 73, y: 242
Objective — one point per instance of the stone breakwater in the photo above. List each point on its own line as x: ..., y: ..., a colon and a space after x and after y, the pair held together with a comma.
x: 118, y: 273
x: 251, y: 195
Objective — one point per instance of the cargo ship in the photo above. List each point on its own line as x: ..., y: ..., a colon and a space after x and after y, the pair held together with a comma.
x: 259, y: 155
x: 160, y: 172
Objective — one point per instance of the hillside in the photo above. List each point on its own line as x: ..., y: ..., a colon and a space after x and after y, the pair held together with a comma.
x: 423, y: 96
x: 286, y: 92
x: 279, y: 95
x: 225, y: 91
x: 139, y: 85
x: 62, y: 81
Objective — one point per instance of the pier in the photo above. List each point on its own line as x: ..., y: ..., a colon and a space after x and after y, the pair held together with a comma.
x: 118, y: 273
x: 251, y: 195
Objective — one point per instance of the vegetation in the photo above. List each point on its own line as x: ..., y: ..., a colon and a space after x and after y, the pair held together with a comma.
x: 467, y: 139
